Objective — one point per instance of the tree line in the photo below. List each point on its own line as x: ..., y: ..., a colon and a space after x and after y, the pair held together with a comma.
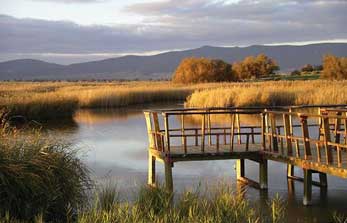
x: 200, y: 70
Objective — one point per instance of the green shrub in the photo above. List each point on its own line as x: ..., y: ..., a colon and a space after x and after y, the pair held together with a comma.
x: 40, y: 177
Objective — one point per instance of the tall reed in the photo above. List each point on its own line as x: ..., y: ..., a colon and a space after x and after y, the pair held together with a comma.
x: 40, y: 177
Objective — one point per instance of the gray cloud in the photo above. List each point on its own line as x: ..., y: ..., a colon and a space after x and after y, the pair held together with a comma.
x: 70, y: 1
x: 178, y: 24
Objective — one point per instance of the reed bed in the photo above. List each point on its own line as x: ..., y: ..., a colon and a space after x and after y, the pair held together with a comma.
x: 272, y: 93
x: 50, y: 100
x: 220, y: 204
x: 40, y: 179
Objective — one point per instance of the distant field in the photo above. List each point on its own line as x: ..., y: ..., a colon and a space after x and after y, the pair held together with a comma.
x: 45, y: 100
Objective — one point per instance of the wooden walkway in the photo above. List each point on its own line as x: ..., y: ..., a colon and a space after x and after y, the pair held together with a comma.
x: 315, y: 142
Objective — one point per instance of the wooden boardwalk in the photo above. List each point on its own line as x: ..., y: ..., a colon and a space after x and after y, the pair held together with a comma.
x: 315, y: 142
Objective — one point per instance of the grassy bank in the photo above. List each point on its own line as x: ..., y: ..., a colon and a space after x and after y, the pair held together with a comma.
x: 40, y: 177
x: 49, y: 100
x: 279, y: 93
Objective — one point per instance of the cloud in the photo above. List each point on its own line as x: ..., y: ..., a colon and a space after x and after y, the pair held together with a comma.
x: 71, y: 1
x: 179, y: 24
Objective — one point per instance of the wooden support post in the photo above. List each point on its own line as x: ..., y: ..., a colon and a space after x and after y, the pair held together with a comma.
x: 263, y: 179
x: 151, y: 170
x: 168, y: 176
x: 290, y: 170
x: 307, y: 187
x: 240, y: 168
x: 306, y: 136
x: 323, y: 179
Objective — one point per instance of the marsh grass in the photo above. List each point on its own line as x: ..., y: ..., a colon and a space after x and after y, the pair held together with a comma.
x: 51, y: 100
x: 279, y: 93
x: 40, y: 179
x: 215, y: 205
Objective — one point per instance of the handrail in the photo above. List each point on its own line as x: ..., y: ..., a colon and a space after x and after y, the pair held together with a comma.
x: 276, y: 138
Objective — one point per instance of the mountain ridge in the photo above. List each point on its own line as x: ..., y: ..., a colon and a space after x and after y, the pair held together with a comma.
x: 162, y: 65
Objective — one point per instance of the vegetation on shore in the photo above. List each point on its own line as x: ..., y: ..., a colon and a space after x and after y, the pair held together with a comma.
x: 40, y: 178
x: 51, y: 100
x: 203, y: 70
x: 279, y: 93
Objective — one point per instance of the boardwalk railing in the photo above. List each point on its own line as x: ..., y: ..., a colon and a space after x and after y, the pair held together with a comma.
x: 209, y: 131
x: 315, y: 141
x: 318, y: 138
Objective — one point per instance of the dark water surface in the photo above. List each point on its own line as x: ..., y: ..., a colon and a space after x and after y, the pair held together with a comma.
x: 114, y: 145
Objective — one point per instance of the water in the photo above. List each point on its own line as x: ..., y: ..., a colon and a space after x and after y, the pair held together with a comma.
x: 114, y: 145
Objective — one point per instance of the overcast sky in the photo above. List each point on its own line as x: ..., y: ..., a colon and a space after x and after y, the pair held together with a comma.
x: 67, y: 31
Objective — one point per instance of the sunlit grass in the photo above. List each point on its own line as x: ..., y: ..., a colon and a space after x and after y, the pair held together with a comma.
x: 49, y: 100
x: 279, y: 93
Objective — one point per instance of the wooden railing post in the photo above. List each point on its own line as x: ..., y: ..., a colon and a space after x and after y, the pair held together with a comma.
x: 263, y: 130
x: 306, y: 136
x: 157, y: 130
x: 167, y: 132
x: 209, y: 129
x: 326, y: 134
x: 338, y: 127
x: 232, y: 129
x: 182, y: 129
x: 288, y: 134
x: 203, y: 133
x: 239, y: 139
x: 149, y: 130
x: 273, y: 132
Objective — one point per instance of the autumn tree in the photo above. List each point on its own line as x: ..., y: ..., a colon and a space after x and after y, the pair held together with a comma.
x: 201, y: 70
x: 254, y: 67
x: 334, y: 67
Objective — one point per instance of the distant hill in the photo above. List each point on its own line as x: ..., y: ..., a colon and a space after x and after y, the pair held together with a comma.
x: 162, y: 65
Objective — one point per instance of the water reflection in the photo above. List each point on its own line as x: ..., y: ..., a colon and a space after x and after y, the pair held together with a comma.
x: 115, y: 147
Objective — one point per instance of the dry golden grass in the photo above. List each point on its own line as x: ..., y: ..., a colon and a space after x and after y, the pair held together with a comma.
x: 44, y: 100
x: 274, y: 93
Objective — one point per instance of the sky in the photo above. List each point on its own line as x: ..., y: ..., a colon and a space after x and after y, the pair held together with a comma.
x: 69, y: 31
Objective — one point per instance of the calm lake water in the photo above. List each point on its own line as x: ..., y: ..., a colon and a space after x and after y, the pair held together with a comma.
x: 114, y: 145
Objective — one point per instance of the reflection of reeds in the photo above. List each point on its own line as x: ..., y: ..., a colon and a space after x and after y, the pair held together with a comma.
x: 92, y: 116
x: 277, y: 93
